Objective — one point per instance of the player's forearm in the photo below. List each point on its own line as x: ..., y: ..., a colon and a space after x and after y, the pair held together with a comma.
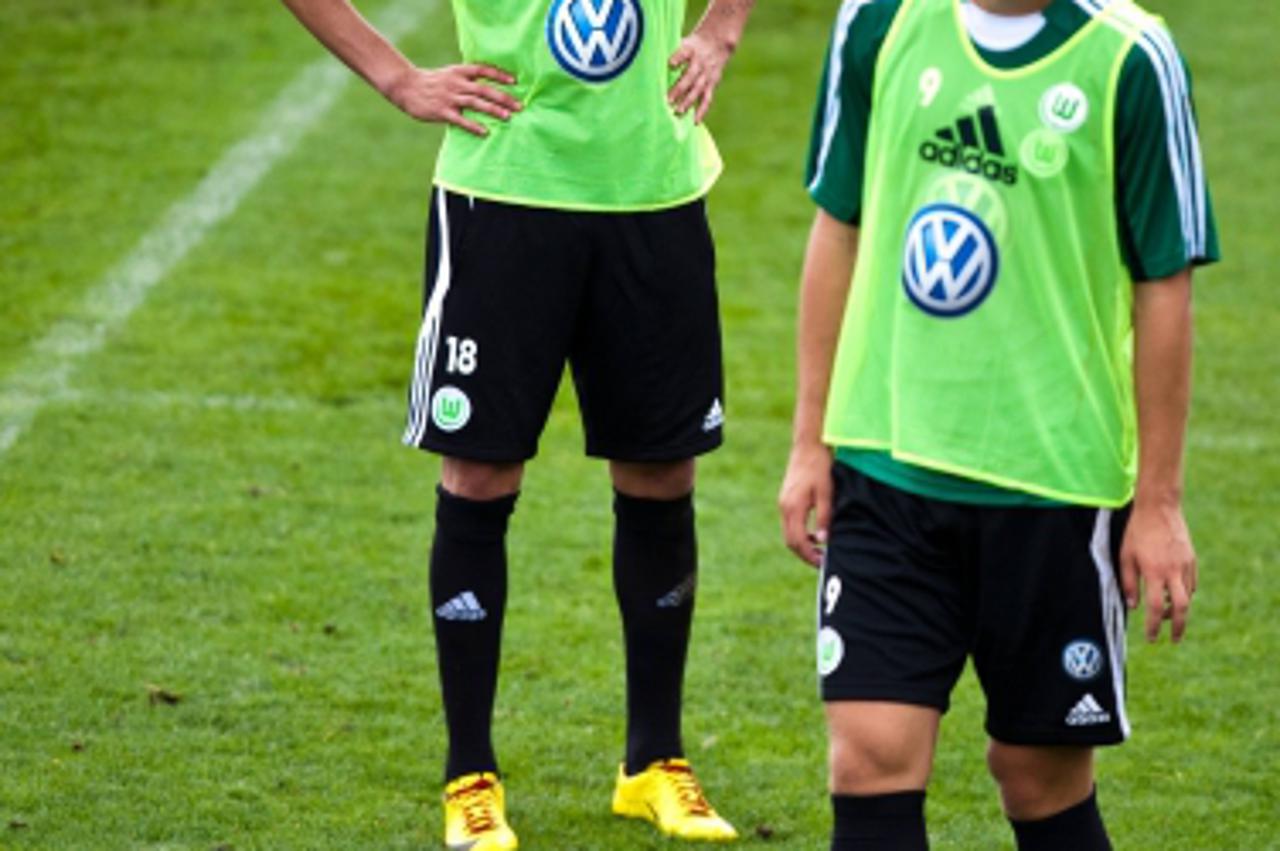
x: 343, y: 30
x: 725, y: 21
x: 824, y: 288
x: 1162, y: 378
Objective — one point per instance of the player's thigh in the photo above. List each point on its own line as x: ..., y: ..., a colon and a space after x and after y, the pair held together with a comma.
x: 653, y: 479
x: 647, y: 356
x: 502, y: 286
x: 1050, y: 647
x: 895, y: 600
x: 480, y: 480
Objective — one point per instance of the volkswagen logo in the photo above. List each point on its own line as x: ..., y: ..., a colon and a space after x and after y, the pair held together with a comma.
x: 951, y: 261
x: 1082, y: 660
x: 595, y: 40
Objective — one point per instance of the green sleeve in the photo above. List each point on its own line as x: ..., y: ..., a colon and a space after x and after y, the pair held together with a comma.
x: 1165, y: 212
x: 837, y: 146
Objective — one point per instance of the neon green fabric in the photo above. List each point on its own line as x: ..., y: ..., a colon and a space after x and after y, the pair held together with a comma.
x: 580, y: 143
x: 1028, y: 385
x: 1147, y: 200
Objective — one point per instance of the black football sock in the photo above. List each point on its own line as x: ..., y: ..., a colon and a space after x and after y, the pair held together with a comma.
x: 469, y: 596
x: 1077, y: 828
x: 655, y: 568
x: 890, y: 822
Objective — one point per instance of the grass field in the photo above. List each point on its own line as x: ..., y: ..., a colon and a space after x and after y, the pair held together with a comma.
x: 213, y: 621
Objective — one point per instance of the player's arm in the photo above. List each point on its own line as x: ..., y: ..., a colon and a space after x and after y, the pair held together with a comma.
x: 439, y: 95
x: 805, y: 499
x: 1157, y: 559
x: 1167, y: 228
x: 704, y: 53
x: 833, y: 178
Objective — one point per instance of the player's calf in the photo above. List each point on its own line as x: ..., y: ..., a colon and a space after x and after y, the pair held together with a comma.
x: 1037, y: 782
x: 1048, y: 796
x: 1077, y: 828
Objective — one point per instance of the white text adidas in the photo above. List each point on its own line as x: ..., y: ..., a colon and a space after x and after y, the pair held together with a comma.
x: 714, y: 418
x: 464, y: 607
x: 1087, y: 712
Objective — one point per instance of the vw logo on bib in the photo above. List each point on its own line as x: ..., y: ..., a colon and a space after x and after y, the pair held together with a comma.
x: 951, y: 261
x: 595, y: 40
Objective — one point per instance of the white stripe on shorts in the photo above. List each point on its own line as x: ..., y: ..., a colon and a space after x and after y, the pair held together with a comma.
x: 429, y: 334
x: 1112, y: 611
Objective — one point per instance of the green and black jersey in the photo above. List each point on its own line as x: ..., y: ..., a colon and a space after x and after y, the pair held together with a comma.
x: 1147, y: 173
x: 1141, y: 137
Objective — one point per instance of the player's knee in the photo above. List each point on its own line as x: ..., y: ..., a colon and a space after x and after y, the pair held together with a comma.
x: 1037, y: 782
x: 480, y: 480
x: 653, y: 480
x: 864, y: 765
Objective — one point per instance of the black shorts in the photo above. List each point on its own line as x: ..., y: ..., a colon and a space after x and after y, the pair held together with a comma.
x: 913, y: 586
x: 512, y: 293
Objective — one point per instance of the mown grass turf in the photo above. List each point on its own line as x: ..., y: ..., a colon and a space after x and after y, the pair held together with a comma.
x: 218, y: 511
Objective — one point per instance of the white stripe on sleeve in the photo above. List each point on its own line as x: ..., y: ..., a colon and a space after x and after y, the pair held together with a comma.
x: 835, y: 70
x: 1182, y: 141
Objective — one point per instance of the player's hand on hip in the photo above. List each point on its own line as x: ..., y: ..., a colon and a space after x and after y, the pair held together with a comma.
x: 1158, y: 561
x: 701, y: 58
x: 446, y: 94
x: 805, y: 501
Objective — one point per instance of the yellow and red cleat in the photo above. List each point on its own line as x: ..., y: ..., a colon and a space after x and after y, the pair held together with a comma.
x: 668, y: 795
x: 475, y: 814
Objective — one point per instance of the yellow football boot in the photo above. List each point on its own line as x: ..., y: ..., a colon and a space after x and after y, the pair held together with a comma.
x: 668, y: 795
x: 475, y: 814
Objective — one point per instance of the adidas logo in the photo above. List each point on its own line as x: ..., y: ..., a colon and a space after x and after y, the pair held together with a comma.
x: 973, y: 145
x: 464, y: 607
x: 1087, y: 713
x: 714, y: 418
x: 676, y: 596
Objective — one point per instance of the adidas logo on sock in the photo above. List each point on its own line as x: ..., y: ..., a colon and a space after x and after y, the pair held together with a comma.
x: 714, y: 418
x: 678, y: 595
x: 973, y: 145
x: 464, y: 607
x: 1087, y: 712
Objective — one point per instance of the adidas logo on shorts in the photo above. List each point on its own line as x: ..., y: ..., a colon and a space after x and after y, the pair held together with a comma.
x: 1087, y: 713
x: 714, y: 418
x: 464, y: 607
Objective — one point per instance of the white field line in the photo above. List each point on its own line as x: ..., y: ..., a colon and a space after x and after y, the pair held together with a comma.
x: 44, y: 372
x: 161, y: 400
x: 1230, y: 442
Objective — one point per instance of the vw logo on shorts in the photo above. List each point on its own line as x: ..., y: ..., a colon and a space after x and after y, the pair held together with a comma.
x: 1082, y: 660
x: 951, y: 260
x: 595, y: 40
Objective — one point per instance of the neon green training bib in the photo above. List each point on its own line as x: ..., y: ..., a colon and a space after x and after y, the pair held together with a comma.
x: 596, y: 132
x: 988, y: 332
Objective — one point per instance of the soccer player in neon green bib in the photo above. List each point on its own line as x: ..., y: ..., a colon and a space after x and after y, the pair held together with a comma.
x: 567, y: 224
x: 994, y: 345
